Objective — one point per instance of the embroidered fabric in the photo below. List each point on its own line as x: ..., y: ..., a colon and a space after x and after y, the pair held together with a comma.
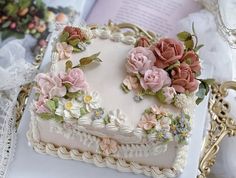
x: 14, y: 72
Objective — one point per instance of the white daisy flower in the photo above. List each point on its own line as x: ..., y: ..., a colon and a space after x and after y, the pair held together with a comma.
x: 92, y: 101
x: 69, y: 109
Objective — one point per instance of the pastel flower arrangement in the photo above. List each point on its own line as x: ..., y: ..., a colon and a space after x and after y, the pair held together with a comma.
x: 64, y: 96
x: 165, y: 68
x: 157, y: 122
x: 73, y: 39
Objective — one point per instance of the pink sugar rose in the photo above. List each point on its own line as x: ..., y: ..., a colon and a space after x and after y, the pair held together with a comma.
x: 50, y: 85
x: 154, y: 79
x: 167, y: 52
x: 191, y: 58
x: 147, y: 121
x: 41, y: 107
x: 169, y: 94
x: 183, y: 79
x: 139, y: 60
x: 75, y: 78
x: 64, y: 50
x: 108, y: 146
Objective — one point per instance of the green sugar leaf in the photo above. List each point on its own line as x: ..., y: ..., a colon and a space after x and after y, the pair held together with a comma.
x: 87, y: 60
x: 83, y: 111
x: 58, y: 118
x: 184, y: 36
x: 189, y: 44
x: 124, y: 88
x: 209, y: 81
x: 76, y: 49
x: 199, y: 100
x: 46, y: 116
x: 51, y: 105
x: 64, y: 36
x: 198, y: 47
x: 69, y: 65
x: 74, y: 42
x: 201, y: 93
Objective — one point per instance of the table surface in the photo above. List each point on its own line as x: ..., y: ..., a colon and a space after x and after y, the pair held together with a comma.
x: 29, y: 164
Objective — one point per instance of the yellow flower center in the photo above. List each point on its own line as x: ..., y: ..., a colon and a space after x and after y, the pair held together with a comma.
x: 68, y: 105
x: 87, y: 99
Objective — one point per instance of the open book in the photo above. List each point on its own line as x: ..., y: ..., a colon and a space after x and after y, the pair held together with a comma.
x: 159, y: 16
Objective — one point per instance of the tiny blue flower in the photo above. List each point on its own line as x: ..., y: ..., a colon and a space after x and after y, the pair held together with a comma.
x: 98, y: 113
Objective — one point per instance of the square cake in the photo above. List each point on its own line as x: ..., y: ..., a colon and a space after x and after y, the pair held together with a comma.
x: 119, y: 100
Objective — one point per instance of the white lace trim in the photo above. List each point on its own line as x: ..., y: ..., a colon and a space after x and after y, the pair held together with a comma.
x: 14, y: 72
x: 7, y: 128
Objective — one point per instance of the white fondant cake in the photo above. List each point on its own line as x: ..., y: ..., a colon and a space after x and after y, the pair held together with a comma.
x: 107, y: 102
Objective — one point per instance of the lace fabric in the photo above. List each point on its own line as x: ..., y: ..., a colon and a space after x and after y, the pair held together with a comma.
x: 7, y: 128
x: 14, y: 72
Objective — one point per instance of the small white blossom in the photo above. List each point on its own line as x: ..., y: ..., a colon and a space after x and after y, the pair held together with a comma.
x: 92, y: 101
x: 69, y: 109
x: 117, y: 117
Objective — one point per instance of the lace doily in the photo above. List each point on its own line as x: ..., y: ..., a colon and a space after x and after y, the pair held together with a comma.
x: 14, y: 72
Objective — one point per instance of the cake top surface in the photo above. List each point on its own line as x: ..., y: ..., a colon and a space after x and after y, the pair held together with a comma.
x: 129, y: 88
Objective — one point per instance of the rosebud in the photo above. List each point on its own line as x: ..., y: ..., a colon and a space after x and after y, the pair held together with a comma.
x: 142, y: 41
x: 166, y: 95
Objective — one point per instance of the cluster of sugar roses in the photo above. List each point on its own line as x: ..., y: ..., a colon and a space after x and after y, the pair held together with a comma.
x: 164, y: 127
x: 164, y: 68
x: 57, y: 92
x: 65, y: 95
x: 73, y: 39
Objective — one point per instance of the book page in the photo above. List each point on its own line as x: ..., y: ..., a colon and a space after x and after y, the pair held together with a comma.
x: 160, y: 16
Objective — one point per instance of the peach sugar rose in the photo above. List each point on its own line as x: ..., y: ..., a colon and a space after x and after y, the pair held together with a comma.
x: 183, y: 79
x: 167, y: 52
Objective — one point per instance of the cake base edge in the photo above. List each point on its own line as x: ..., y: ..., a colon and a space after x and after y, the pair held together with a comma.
x: 105, y: 161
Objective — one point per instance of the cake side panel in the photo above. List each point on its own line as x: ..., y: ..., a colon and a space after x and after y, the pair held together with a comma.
x: 156, y: 155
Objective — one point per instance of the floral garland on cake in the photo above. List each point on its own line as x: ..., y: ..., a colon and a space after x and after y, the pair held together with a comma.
x: 166, y: 69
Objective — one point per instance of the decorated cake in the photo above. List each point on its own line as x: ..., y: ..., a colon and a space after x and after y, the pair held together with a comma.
x: 119, y: 100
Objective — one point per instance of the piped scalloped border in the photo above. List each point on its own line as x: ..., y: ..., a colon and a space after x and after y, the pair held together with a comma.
x: 106, y: 161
